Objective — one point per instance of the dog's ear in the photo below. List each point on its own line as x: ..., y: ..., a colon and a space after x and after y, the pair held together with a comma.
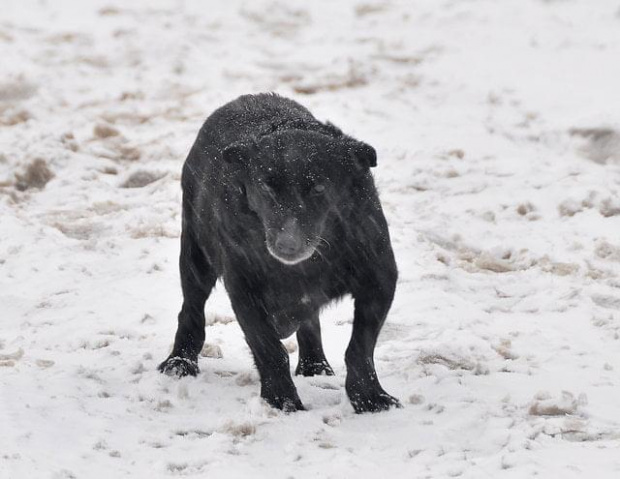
x: 364, y: 154
x: 239, y: 153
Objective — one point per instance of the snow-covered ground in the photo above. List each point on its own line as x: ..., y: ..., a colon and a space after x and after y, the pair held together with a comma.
x: 498, y: 132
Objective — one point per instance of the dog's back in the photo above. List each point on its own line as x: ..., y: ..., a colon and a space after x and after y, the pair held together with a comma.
x: 247, y: 117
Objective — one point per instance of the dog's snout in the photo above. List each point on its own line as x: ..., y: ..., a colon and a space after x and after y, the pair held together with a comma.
x: 288, y: 243
x: 289, y: 239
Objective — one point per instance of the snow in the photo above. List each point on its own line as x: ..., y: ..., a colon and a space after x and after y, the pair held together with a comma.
x: 497, y: 131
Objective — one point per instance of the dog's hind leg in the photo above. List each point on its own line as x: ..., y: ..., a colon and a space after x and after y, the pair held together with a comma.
x: 312, y: 361
x: 197, y: 280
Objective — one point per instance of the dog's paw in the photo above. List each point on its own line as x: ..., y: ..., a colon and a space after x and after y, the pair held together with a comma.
x: 284, y: 402
x: 373, y: 401
x: 179, y: 367
x: 314, y: 368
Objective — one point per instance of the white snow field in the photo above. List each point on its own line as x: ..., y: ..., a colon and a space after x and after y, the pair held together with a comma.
x: 497, y: 125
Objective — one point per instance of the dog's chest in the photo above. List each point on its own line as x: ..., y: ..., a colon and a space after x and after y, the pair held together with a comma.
x: 294, y: 296
x: 288, y: 307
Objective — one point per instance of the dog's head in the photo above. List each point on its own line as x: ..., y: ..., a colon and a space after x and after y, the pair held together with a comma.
x: 292, y: 180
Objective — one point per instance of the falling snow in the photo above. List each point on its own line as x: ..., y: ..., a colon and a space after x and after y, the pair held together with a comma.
x: 498, y: 147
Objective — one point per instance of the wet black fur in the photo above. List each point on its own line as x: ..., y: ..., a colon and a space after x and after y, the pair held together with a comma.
x: 261, y: 143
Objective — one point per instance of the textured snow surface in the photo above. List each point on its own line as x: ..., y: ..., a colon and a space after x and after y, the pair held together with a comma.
x: 498, y: 133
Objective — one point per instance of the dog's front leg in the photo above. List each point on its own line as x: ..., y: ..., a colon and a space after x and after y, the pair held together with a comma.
x: 372, y: 303
x: 270, y: 356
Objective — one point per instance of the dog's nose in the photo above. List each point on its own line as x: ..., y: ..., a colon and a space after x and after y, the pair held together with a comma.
x: 289, y: 239
x: 288, y: 244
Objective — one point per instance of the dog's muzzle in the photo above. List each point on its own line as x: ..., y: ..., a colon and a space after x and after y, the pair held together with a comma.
x: 288, y: 244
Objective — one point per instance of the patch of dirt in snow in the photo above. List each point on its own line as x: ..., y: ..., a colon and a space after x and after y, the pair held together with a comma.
x: 141, y: 178
x: 35, y: 175
x: 607, y: 301
x: 545, y: 405
x: 352, y: 77
x: 210, y: 350
x: 16, y: 89
x: 278, y: 18
x: 104, y: 130
x: 607, y: 207
x: 602, y: 144
x: 17, y: 355
x: 607, y: 251
x: 243, y: 429
x: 451, y: 363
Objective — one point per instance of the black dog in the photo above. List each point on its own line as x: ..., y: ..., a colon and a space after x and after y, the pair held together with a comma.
x: 284, y: 208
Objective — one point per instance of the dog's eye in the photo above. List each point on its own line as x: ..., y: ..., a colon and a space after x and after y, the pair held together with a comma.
x: 318, y: 189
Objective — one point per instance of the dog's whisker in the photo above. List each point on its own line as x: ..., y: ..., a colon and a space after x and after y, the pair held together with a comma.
x: 323, y: 240
x: 318, y: 251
